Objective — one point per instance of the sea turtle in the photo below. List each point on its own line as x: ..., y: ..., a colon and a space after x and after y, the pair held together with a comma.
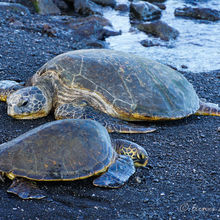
x: 67, y: 150
x: 107, y: 86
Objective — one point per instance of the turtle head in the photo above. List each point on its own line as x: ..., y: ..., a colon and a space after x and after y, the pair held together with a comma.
x: 137, y: 153
x: 29, y: 103
x: 139, y: 156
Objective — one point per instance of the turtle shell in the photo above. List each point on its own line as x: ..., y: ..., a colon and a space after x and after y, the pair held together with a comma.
x: 61, y: 150
x: 134, y: 87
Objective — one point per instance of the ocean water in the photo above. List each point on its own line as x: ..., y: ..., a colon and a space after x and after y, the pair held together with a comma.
x: 197, y: 47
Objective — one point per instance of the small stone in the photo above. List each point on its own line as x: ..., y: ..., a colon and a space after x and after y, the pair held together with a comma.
x: 218, y: 129
x: 213, y: 172
x: 156, y: 180
x: 138, y: 179
x: 184, y: 66
x: 146, y: 200
x: 172, y: 143
x: 149, y: 43
x: 162, y: 194
x: 202, y: 135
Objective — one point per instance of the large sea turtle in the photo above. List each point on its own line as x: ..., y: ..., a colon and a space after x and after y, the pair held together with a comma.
x: 67, y: 150
x: 105, y: 85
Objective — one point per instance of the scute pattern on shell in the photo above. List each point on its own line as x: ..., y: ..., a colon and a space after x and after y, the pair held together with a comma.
x: 61, y: 150
x: 121, y: 83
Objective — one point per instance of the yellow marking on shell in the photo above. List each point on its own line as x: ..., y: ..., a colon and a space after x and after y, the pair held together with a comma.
x: 10, y: 175
x: 3, y: 98
x: 139, y: 117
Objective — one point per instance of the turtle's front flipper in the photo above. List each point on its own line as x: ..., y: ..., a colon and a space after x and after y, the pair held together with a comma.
x: 118, y: 173
x: 25, y: 189
x: 110, y: 123
x: 7, y: 87
x: 208, y: 109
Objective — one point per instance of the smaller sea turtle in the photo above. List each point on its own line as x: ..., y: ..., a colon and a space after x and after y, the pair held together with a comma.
x: 67, y: 150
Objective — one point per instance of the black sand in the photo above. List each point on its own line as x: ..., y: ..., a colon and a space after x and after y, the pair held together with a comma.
x: 184, y: 180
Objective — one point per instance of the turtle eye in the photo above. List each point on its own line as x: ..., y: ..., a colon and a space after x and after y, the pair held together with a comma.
x: 23, y: 103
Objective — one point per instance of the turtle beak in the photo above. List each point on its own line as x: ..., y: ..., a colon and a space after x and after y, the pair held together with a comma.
x: 150, y: 165
x: 141, y: 162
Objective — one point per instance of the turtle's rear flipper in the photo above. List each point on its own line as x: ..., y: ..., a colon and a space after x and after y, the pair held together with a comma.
x: 25, y: 189
x: 111, y: 124
x: 7, y: 87
x: 118, y: 173
x: 208, y: 109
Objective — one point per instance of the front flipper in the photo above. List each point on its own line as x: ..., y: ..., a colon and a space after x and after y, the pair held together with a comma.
x: 118, y: 173
x: 110, y: 123
x: 7, y: 87
x: 25, y: 189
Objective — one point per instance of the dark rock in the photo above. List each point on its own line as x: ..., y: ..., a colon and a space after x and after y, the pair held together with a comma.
x: 159, y: 29
x: 61, y: 4
x: 47, y: 29
x: 144, y: 11
x: 86, y: 7
x: 149, y: 43
x: 160, y: 5
x: 184, y: 66
x: 96, y: 44
x: 198, y: 13
x: 109, y: 31
x: 14, y: 7
x: 46, y: 7
x: 111, y: 3
x: 122, y: 7
x: 91, y: 27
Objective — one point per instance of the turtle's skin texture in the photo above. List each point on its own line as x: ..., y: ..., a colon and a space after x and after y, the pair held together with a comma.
x: 68, y: 150
x: 117, y: 84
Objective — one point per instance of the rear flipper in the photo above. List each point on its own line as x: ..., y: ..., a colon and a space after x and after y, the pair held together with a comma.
x: 7, y: 87
x: 118, y: 173
x: 25, y: 189
x: 110, y: 123
x: 208, y: 109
